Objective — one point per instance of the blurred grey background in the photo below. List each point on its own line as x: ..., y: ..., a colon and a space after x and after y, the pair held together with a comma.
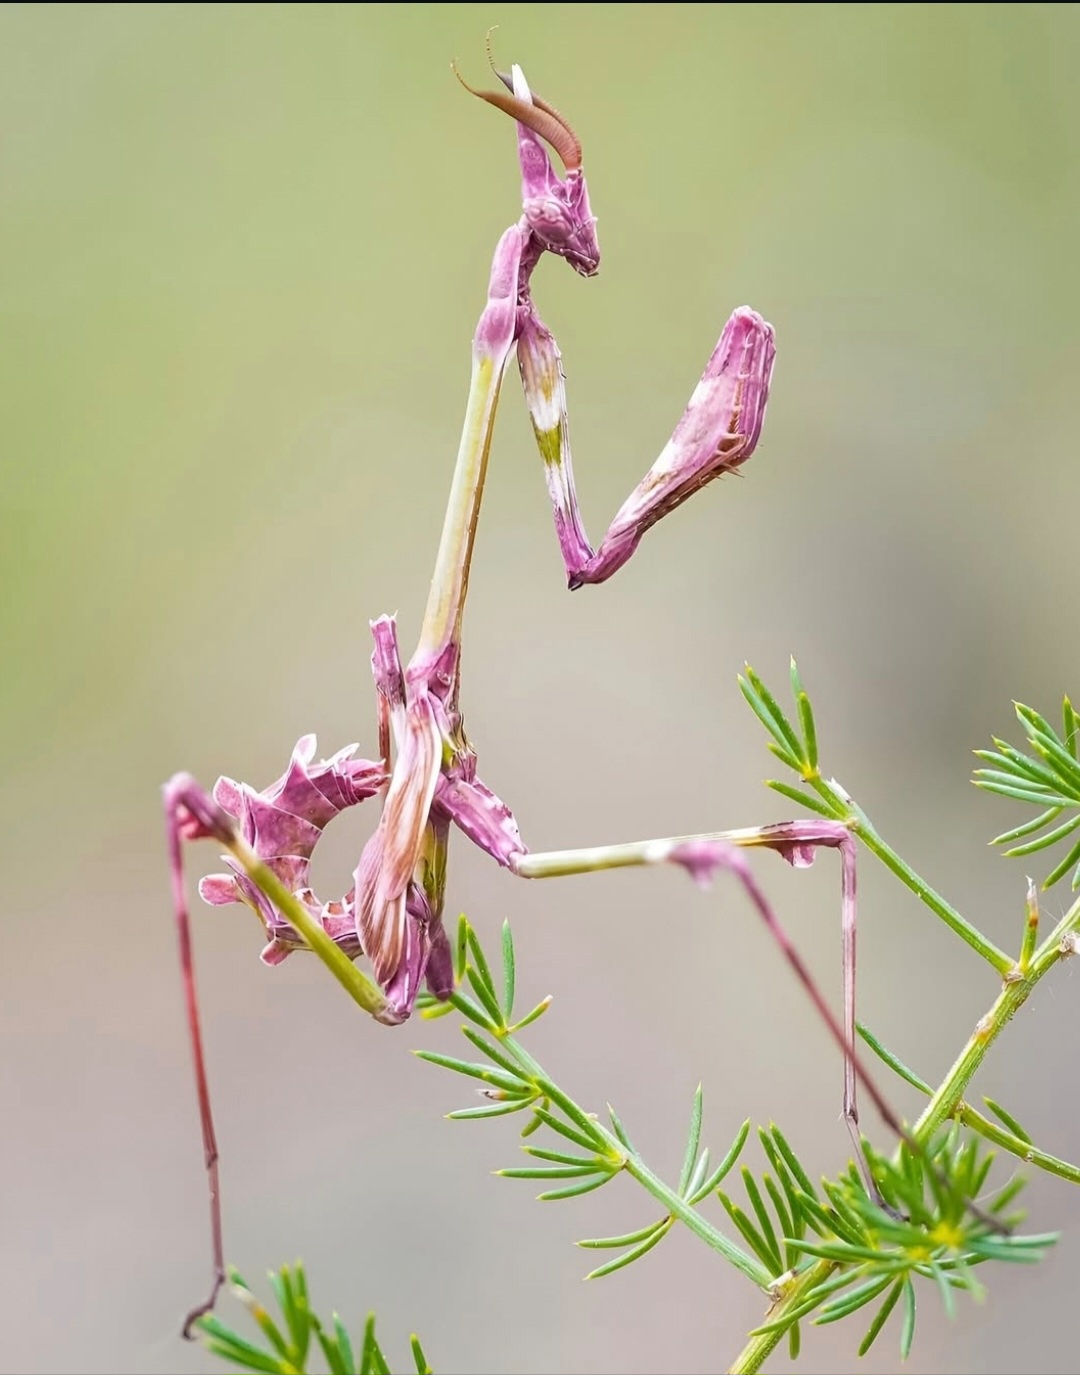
x: 244, y: 250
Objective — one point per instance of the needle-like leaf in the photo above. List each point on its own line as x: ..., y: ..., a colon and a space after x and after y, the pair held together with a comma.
x: 619, y: 1130
x: 492, y: 1109
x: 1044, y: 841
x: 495, y: 1055
x: 1007, y: 1118
x: 508, y: 971
x: 419, y: 1359
x: 575, y: 1189
x: 563, y: 1157
x: 804, y: 799
x: 1060, y: 870
x: 635, y: 1253
x: 512, y: 1083
x: 588, y: 1143
x: 893, y: 1061
x: 1028, y: 827
x: 692, y: 1142
x: 628, y: 1239
x: 707, y: 1186
x: 853, y: 1300
x: 753, y: 1193
x: 881, y: 1317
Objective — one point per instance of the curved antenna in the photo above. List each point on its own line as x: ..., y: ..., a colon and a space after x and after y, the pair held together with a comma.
x: 542, y: 118
x: 508, y: 81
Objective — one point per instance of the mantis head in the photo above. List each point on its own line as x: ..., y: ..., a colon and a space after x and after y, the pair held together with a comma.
x: 556, y: 208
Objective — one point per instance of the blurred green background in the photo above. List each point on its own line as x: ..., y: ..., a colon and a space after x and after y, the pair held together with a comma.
x: 244, y: 249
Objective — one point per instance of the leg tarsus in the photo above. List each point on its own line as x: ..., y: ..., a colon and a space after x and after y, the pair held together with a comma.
x: 207, y: 1305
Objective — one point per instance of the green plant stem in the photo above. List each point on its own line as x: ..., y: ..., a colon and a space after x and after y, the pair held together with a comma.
x: 678, y: 1207
x: 761, y: 1345
x: 674, y: 1204
x: 949, y: 1094
x: 970, y: 1117
x: 853, y: 816
x: 946, y: 1102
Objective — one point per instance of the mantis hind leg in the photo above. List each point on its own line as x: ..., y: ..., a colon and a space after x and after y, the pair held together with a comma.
x: 181, y: 821
x: 702, y: 855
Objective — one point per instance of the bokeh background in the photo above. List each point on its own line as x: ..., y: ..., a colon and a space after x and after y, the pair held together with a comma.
x: 244, y: 249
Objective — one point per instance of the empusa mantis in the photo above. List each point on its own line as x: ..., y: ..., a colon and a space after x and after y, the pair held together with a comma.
x: 393, y: 912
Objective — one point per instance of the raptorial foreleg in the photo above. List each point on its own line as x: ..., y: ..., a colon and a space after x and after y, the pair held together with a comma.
x: 718, y: 431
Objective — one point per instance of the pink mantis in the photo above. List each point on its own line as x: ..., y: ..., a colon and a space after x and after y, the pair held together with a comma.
x: 426, y: 770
